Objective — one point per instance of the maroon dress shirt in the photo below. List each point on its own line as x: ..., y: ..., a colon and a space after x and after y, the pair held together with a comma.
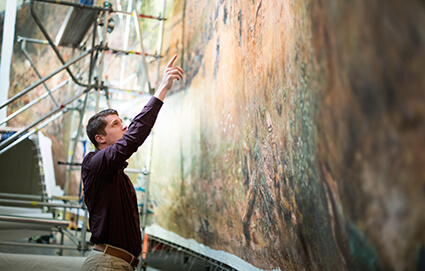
x: 109, y: 194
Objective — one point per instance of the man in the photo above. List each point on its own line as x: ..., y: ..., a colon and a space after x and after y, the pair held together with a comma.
x: 109, y: 194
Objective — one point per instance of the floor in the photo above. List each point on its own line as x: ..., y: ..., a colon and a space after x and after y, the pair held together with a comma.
x: 159, y: 258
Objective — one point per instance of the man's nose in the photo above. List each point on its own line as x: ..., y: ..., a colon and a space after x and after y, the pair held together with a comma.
x: 124, y: 127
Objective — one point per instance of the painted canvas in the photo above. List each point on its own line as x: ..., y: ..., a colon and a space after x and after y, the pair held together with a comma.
x: 295, y: 140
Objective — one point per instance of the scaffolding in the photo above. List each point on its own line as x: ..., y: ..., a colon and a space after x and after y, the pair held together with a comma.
x: 85, y: 30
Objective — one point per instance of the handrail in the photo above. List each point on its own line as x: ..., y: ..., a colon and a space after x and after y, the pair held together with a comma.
x: 28, y: 89
x: 36, y: 220
x: 33, y: 131
x: 58, y: 109
x: 33, y: 102
x: 78, y: 5
x: 39, y: 204
x: 20, y: 244
x: 20, y: 196
x: 140, y: 38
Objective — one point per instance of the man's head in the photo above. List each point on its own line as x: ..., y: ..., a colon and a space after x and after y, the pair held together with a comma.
x: 105, y: 128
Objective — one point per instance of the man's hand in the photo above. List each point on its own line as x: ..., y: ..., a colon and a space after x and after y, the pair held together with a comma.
x: 171, y: 73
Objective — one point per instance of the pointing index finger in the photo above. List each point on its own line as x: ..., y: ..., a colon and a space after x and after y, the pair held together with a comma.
x: 170, y: 64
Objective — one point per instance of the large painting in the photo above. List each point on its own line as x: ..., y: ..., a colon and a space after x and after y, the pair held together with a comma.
x: 296, y: 138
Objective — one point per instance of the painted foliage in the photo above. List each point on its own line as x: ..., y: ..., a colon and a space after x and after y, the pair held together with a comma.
x: 295, y: 139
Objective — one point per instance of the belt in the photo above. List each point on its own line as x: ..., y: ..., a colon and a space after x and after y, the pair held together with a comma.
x: 117, y: 252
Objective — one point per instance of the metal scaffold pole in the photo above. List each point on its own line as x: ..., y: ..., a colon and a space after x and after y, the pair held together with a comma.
x: 6, y: 52
x: 146, y: 199
x: 140, y: 38
x: 71, y: 152
x: 48, y: 115
x: 159, y: 49
x: 125, y: 42
x: 149, y: 160
x: 35, y: 69
x: 102, y: 58
x: 73, y: 145
x: 33, y: 102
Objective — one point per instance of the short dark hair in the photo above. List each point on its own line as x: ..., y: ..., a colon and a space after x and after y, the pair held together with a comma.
x: 97, y: 124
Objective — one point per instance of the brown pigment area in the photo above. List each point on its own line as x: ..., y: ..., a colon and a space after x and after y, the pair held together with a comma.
x: 252, y: 159
x: 371, y: 120
x: 302, y: 133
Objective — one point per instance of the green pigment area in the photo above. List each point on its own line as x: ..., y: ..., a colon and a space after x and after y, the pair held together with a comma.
x: 295, y: 141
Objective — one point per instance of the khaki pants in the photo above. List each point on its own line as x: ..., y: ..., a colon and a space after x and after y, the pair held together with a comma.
x: 100, y: 261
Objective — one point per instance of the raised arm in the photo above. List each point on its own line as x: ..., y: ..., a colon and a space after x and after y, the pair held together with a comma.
x: 110, y: 156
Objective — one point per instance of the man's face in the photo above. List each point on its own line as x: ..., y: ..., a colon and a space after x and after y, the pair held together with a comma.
x: 114, y: 129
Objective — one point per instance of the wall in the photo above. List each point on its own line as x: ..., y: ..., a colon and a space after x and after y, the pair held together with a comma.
x: 295, y: 140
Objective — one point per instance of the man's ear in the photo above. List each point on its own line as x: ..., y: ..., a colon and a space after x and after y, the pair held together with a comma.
x: 100, y: 139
